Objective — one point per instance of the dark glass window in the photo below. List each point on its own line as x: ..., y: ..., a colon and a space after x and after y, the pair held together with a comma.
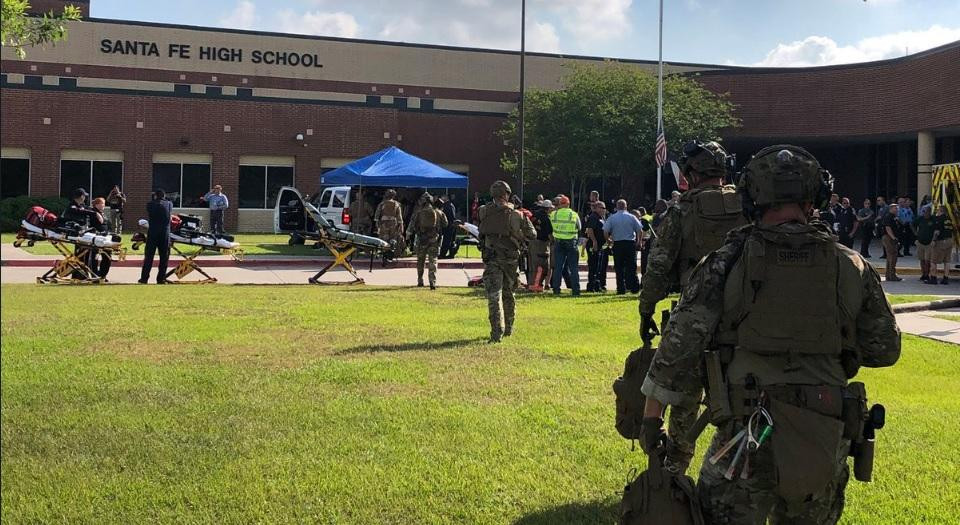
x: 181, y: 88
x: 106, y: 175
x: 251, y: 192
x: 277, y: 177
x: 166, y: 177
x: 244, y: 92
x: 400, y: 102
x: 373, y: 100
x: 33, y: 80
x: 14, y: 177
x: 259, y: 185
x: 74, y: 174
x: 214, y: 90
x: 426, y: 104
x: 196, y: 184
x: 68, y: 82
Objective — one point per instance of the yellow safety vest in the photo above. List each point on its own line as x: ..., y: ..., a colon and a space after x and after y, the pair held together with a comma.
x: 564, y: 222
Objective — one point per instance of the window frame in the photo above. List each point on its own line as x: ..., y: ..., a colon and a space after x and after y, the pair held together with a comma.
x: 181, y: 163
x: 266, y: 171
x: 29, y: 168
x: 89, y: 186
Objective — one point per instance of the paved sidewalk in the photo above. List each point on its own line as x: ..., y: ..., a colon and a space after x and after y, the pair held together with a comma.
x: 926, y: 324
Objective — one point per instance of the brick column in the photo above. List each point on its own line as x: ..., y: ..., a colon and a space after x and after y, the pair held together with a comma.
x: 926, y: 151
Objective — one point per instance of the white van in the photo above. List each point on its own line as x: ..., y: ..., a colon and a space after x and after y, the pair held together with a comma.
x: 333, y: 203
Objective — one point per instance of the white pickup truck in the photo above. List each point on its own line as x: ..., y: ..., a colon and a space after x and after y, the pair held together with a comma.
x: 333, y: 203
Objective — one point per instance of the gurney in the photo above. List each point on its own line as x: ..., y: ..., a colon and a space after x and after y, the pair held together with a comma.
x: 185, y: 233
x: 43, y: 226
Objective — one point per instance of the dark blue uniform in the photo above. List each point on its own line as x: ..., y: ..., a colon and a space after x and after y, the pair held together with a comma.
x: 158, y: 238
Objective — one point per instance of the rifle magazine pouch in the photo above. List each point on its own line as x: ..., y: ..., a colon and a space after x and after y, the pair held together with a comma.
x: 806, y: 451
x: 629, y: 398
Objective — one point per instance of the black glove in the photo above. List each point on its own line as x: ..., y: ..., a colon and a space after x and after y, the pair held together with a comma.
x: 648, y: 327
x: 652, y: 435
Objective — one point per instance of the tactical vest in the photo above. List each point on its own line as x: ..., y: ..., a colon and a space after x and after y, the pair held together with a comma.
x: 707, y: 215
x: 495, y: 227
x: 389, y: 210
x: 564, y: 222
x: 790, y: 294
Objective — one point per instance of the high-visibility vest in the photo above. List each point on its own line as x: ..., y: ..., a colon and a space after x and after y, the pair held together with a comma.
x: 564, y: 222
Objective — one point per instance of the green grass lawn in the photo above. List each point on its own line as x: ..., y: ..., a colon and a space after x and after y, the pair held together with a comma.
x: 362, y: 405
x: 902, y: 299
x: 949, y: 317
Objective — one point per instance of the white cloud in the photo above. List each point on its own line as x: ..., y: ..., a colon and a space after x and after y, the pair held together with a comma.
x: 244, y: 16
x: 822, y: 50
x: 403, y: 29
x: 318, y: 23
x: 592, y: 20
x: 542, y: 36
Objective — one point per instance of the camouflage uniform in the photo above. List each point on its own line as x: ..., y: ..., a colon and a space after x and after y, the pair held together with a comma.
x: 361, y: 216
x: 721, y: 289
x: 683, y: 238
x: 389, y: 219
x: 503, y: 230
x: 427, y: 223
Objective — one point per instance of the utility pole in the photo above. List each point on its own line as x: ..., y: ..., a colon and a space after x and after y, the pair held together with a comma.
x: 523, y: 52
x: 660, y: 102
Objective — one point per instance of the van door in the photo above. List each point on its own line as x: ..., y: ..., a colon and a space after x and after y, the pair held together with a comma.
x: 333, y: 211
x: 289, y: 214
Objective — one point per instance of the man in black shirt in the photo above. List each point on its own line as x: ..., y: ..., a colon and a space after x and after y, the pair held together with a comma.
x: 78, y: 211
x: 865, y: 223
x: 597, y: 258
x: 538, y: 250
x: 450, y: 232
x: 846, y: 219
x: 159, y: 211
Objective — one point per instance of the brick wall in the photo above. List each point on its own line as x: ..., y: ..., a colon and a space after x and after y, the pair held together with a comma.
x: 45, y: 6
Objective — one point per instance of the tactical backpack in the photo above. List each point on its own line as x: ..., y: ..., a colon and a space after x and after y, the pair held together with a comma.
x: 710, y: 214
x: 658, y: 497
x: 626, y: 388
x: 427, y: 222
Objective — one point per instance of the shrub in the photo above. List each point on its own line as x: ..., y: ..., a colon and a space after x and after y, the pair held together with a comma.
x: 14, y: 209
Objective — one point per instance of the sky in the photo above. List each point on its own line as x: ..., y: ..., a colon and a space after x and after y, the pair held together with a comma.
x: 730, y: 32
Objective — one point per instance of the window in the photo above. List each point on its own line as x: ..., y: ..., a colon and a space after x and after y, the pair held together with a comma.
x: 98, y: 177
x: 14, y: 177
x: 184, y: 184
x: 259, y: 185
x: 426, y: 104
x: 214, y: 90
x: 373, y: 100
x: 33, y: 80
x: 244, y: 92
x: 181, y: 88
x: 339, y: 199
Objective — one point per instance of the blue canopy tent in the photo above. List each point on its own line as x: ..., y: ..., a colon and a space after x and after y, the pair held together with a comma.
x: 395, y: 168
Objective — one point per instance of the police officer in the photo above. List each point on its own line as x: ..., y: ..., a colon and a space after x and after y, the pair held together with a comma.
x: 389, y: 219
x: 427, y: 223
x: 777, y: 320
x: 158, y: 237
x: 503, y: 232
x: 695, y: 226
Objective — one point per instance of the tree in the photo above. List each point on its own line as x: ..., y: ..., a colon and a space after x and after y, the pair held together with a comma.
x: 602, y: 124
x: 19, y: 30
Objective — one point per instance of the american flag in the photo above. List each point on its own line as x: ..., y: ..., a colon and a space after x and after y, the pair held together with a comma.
x: 660, y: 152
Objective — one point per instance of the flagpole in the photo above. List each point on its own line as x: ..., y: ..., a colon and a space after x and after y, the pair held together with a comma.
x: 523, y: 52
x: 660, y: 102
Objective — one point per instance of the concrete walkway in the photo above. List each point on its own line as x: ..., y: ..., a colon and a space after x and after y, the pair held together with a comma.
x: 926, y: 324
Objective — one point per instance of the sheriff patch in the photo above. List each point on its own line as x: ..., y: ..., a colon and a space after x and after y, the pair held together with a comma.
x: 789, y: 257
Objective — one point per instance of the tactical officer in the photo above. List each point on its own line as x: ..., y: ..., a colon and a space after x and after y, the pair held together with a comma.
x: 503, y: 232
x: 361, y: 215
x: 389, y: 219
x: 694, y: 227
x: 427, y: 223
x: 776, y: 321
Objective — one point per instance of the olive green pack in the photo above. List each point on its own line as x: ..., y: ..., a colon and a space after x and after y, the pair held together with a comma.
x: 658, y: 497
x: 709, y: 214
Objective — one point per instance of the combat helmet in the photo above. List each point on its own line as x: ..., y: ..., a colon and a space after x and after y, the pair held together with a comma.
x: 500, y: 189
x: 704, y: 159
x: 783, y: 174
x: 426, y: 197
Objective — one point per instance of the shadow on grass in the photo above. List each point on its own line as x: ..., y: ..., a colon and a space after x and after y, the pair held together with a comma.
x: 603, y: 511
x: 406, y: 347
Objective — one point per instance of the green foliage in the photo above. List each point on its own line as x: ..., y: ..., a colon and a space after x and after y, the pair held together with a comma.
x: 14, y: 209
x: 305, y: 404
x: 19, y: 30
x: 603, y: 124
